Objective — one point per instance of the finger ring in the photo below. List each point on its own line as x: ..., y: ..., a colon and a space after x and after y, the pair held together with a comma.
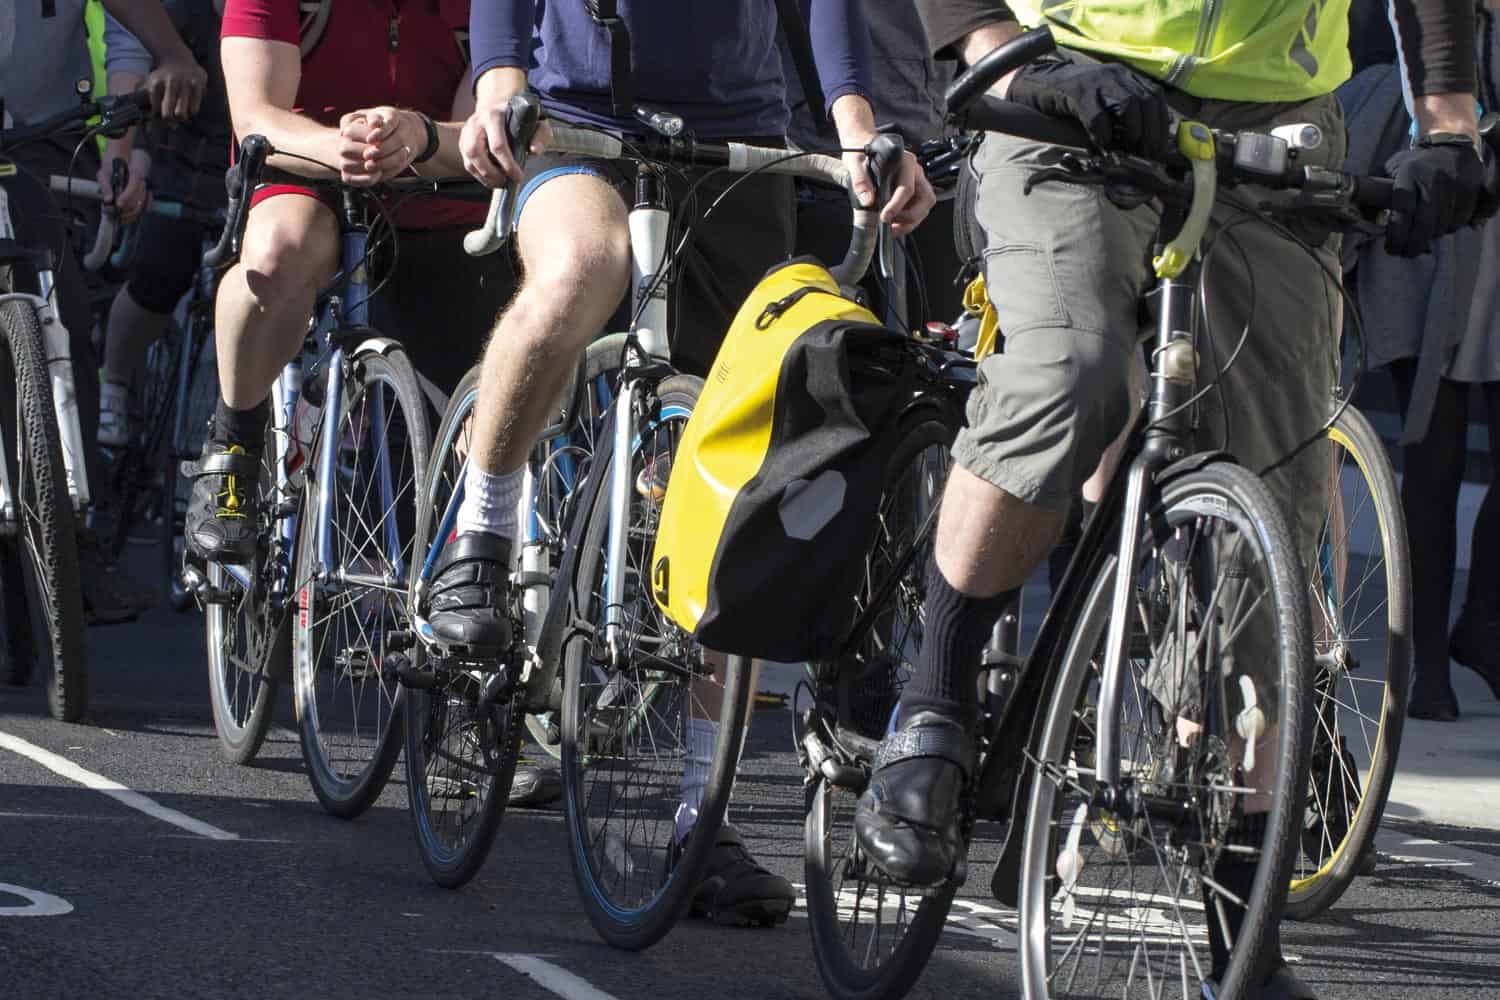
x: 408, y: 150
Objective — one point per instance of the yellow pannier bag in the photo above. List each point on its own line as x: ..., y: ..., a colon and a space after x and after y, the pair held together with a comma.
x: 772, y: 501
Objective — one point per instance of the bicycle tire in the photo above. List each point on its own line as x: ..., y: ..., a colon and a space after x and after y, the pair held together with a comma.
x: 256, y: 633
x: 130, y: 476
x: 190, y: 416
x: 1337, y: 839
x: 44, y: 580
x: 323, y: 606
x: 480, y: 786
x: 836, y: 913
x: 596, y: 739
x: 1163, y: 760
x: 593, y: 391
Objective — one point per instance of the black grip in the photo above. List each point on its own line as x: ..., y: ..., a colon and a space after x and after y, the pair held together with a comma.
x: 1373, y: 192
x: 119, y: 178
x: 993, y: 65
x: 240, y: 182
x: 885, y: 153
x: 522, y: 117
x: 991, y: 114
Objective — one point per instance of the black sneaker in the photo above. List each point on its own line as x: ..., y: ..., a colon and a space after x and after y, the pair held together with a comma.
x: 737, y: 890
x: 1473, y: 643
x: 110, y: 597
x: 223, y: 513
x: 536, y: 784
x: 469, y: 603
x: 908, y: 821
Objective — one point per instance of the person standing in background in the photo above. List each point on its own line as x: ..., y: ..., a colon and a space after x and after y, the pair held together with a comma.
x: 1434, y: 322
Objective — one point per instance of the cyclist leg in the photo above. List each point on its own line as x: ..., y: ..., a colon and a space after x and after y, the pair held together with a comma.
x: 1073, y: 267
x: 748, y: 232
x: 290, y: 250
x: 161, y: 271
x: 574, y: 249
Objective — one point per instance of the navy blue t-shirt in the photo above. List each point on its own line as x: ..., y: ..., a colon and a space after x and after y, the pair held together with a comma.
x: 714, y: 62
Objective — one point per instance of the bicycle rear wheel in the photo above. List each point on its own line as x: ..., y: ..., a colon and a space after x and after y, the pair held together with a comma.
x: 135, y: 491
x: 248, y: 634
x: 1360, y: 592
x: 626, y: 715
x: 39, y: 565
x: 194, y: 391
x: 871, y: 938
x: 348, y: 710
x: 1115, y: 900
x: 460, y: 753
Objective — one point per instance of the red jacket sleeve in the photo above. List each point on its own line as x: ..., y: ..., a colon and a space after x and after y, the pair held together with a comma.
x: 276, y: 20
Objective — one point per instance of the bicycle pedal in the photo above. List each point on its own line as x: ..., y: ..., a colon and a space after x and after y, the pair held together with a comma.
x: 400, y: 640
x: 399, y: 668
x: 195, y: 583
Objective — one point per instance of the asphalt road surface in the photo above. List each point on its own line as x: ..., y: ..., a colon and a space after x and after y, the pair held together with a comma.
x: 134, y: 862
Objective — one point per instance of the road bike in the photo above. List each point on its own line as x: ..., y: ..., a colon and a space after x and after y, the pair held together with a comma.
x: 1169, y: 688
x: 631, y: 680
x: 44, y: 485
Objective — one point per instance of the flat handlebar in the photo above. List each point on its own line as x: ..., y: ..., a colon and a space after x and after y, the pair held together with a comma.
x: 736, y: 157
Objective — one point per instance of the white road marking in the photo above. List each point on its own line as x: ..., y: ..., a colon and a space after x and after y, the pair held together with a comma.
x: 38, y: 904
x: 135, y: 800
x: 553, y: 978
x: 1407, y: 848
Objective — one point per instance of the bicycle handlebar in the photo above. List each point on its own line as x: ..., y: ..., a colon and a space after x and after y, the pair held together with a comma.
x: 240, y: 181
x: 736, y: 157
x: 116, y: 114
x: 78, y: 187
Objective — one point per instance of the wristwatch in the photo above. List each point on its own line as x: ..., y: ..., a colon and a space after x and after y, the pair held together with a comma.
x: 430, y: 150
x: 1435, y: 139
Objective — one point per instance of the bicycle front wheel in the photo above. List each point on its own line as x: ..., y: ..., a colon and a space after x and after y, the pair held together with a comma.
x: 1359, y: 587
x: 1198, y: 837
x: 635, y: 716
x: 348, y: 710
x: 39, y: 565
x: 461, y: 752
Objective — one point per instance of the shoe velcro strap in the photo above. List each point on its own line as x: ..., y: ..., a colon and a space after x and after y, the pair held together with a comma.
x: 469, y: 571
x: 222, y: 464
x: 943, y: 741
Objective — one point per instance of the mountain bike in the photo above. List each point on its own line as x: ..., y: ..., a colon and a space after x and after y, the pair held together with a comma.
x: 172, y: 397
x: 324, y: 601
x: 628, y: 675
x: 44, y: 485
x: 1170, y: 682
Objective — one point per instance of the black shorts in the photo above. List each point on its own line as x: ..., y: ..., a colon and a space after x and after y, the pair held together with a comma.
x: 164, y: 257
x: 746, y: 235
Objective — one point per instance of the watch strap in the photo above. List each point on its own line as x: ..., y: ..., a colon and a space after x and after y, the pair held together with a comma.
x: 430, y: 150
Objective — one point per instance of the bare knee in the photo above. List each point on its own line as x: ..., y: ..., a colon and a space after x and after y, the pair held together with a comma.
x: 569, y: 292
x: 287, y: 255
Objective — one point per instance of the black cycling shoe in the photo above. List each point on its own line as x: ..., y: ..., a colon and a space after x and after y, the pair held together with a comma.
x: 908, y: 819
x: 469, y: 601
x: 535, y: 784
x: 737, y: 890
x: 223, y: 513
x: 1473, y: 643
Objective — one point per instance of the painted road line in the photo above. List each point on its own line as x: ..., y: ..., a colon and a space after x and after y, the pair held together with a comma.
x: 65, y: 768
x: 1409, y: 848
x: 553, y: 978
x: 38, y: 904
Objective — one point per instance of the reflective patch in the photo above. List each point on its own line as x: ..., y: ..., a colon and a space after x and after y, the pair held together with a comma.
x: 808, y: 506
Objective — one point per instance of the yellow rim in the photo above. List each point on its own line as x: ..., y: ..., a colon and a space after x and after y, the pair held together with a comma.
x: 1305, y: 884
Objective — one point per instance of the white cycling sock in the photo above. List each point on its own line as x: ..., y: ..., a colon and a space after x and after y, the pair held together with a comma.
x: 491, y: 502
x: 702, y: 740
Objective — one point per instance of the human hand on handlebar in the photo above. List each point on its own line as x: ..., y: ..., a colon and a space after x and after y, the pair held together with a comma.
x: 909, y: 200
x: 177, y: 85
x: 1121, y: 109
x: 1438, y: 189
x: 485, y: 143
x: 377, y: 144
x: 132, y: 200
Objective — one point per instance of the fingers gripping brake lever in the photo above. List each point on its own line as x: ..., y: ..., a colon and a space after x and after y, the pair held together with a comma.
x: 885, y: 153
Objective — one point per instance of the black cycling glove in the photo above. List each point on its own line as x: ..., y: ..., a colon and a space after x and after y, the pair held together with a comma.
x: 1120, y: 108
x: 1438, y: 188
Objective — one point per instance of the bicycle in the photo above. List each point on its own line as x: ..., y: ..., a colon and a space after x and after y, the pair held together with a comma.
x: 627, y: 674
x: 346, y: 443
x: 44, y: 483
x: 173, y: 395
x: 1118, y: 744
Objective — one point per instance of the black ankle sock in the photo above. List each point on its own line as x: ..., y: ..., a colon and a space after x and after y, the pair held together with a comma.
x: 956, y: 630
x: 246, y: 428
